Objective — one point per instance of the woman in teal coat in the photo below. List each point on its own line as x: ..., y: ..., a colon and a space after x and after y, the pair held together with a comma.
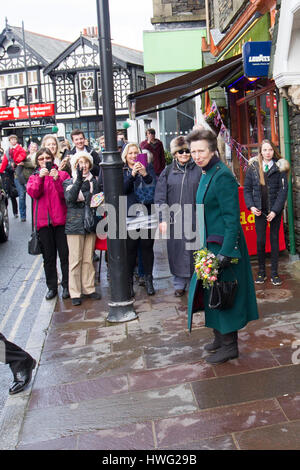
x: 222, y: 234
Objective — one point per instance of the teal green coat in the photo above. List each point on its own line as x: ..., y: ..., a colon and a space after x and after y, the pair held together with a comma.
x: 218, y: 191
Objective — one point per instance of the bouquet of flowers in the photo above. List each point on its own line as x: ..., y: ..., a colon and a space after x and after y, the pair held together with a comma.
x: 207, y: 266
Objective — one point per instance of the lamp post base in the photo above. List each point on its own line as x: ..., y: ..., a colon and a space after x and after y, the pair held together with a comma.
x: 120, y: 312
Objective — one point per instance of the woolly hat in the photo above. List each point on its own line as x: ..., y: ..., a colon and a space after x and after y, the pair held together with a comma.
x: 74, y: 159
x: 177, y: 144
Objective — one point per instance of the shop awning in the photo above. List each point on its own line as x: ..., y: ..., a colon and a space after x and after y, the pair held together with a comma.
x: 146, y: 100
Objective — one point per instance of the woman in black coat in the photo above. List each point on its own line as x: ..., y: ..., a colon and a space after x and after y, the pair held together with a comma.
x: 178, y: 184
x: 78, y: 192
x: 265, y: 192
x: 135, y: 177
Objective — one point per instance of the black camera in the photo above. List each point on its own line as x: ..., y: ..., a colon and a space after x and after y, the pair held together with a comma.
x: 49, y: 166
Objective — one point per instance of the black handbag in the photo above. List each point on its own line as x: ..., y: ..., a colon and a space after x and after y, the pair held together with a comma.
x: 222, y: 295
x: 34, y: 245
x: 90, y: 219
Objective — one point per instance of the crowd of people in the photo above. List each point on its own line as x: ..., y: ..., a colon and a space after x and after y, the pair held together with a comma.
x: 62, y: 182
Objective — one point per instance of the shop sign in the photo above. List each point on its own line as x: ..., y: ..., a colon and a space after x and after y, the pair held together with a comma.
x: 256, y: 58
x: 21, y: 112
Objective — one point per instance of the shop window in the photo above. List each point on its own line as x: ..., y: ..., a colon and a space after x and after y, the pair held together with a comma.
x: 254, y: 115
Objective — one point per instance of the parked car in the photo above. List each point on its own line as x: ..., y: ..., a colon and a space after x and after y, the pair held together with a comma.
x: 4, y: 222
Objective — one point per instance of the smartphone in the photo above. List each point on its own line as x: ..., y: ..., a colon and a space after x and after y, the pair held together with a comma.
x: 49, y: 166
x: 142, y: 158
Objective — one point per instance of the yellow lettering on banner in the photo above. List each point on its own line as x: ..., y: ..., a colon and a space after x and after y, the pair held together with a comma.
x: 243, y: 218
x: 250, y: 219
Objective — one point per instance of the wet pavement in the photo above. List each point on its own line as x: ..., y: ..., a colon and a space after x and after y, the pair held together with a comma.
x: 145, y: 384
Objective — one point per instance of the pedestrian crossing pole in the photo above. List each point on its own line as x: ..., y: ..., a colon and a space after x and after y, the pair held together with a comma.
x: 121, y: 304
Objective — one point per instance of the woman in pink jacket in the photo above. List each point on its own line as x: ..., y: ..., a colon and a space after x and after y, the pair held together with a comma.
x: 46, y: 189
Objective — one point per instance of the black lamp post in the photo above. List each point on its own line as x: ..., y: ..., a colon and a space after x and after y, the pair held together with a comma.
x: 121, y: 304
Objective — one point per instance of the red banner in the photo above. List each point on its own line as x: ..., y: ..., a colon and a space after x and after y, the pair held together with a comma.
x: 248, y: 225
x: 21, y: 112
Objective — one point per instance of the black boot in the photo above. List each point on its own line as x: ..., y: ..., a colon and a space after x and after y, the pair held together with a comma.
x: 228, y: 350
x: 216, y: 344
x: 149, y: 284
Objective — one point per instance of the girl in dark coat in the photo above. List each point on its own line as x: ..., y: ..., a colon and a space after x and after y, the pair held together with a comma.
x: 265, y: 192
x: 178, y: 184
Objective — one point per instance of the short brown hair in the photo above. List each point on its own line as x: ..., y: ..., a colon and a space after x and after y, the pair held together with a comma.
x: 203, y: 134
x: 77, y: 132
x: 40, y: 152
x: 151, y: 131
x: 11, y: 136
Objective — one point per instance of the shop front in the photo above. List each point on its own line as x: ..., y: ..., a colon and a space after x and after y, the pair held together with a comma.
x: 28, y: 125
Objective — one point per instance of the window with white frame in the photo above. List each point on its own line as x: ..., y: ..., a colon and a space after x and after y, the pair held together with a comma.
x: 87, y: 90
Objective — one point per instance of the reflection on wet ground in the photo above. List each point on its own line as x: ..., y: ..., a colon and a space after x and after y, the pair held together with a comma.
x: 145, y: 384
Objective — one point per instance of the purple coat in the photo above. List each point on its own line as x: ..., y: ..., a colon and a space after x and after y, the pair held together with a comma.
x: 49, y: 193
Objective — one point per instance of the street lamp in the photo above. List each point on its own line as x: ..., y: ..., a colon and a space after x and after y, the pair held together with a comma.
x: 121, y: 304
x: 14, y: 50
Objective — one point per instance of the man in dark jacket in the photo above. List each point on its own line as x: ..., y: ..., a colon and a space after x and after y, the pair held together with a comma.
x: 156, y: 147
x: 20, y: 363
x: 78, y: 139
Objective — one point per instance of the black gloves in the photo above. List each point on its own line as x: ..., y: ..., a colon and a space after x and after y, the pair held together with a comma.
x: 224, y: 261
x: 79, y: 173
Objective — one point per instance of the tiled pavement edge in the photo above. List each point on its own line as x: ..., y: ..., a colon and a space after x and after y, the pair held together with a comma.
x: 145, y: 384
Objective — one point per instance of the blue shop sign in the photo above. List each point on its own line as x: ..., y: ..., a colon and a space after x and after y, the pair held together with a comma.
x: 256, y: 58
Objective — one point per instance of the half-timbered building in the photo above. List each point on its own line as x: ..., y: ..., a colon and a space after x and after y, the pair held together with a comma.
x: 75, y: 74
x: 23, y: 83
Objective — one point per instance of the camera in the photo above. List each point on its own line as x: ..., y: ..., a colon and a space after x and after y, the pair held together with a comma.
x: 49, y: 166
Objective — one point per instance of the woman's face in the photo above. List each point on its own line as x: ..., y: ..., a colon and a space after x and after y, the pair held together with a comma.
x: 43, y: 159
x: 267, y: 152
x: 201, y: 153
x: 84, y: 165
x: 51, y: 145
x: 183, y: 155
x: 33, y: 147
x: 132, y: 153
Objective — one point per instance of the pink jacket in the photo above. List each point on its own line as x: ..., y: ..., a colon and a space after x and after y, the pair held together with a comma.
x: 52, y: 208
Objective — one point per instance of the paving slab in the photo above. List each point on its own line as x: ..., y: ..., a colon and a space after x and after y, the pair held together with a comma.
x: 146, y: 385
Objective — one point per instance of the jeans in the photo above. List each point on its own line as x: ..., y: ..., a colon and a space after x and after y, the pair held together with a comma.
x: 22, y: 198
x: 147, y: 255
x: 260, y: 227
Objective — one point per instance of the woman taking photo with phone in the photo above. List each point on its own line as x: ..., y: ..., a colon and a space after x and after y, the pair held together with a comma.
x: 265, y: 192
x: 139, y: 185
x: 49, y: 216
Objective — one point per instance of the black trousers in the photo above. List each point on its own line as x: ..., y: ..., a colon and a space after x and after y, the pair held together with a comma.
x: 53, y: 240
x: 8, y: 180
x: 146, y: 246
x: 12, y: 354
x: 260, y: 227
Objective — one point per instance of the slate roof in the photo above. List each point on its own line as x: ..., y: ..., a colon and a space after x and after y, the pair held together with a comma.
x: 46, y: 46
x: 131, y: 56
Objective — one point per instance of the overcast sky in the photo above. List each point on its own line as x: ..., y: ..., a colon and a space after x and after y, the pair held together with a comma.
x: 64, y: 19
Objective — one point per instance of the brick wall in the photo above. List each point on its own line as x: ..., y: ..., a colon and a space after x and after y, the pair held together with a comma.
x: 227, y: 11
x: 295, y: 157
x: 164, y: 8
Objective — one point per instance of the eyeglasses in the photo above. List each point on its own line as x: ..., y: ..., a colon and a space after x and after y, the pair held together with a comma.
x: 41, y: 159
x: 181, y: 151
